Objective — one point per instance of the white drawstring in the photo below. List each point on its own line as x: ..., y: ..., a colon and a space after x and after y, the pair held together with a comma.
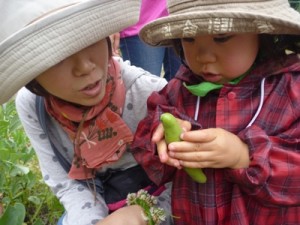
x: 261, y: 102
x: 197, y: 109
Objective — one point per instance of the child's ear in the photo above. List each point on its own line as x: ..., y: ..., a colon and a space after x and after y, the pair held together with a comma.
x: 181, y: 55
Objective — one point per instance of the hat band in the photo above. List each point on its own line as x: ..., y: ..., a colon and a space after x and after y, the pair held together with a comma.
x: 186, y: 6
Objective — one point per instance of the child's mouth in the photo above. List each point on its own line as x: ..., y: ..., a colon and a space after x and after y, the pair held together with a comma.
x: 211, y: 77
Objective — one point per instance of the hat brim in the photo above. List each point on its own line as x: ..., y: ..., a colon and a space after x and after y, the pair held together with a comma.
x: 46, y: 42
x: 161, y: 31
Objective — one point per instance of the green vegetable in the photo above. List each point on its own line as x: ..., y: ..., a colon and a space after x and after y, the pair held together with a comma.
x: 172, y: 134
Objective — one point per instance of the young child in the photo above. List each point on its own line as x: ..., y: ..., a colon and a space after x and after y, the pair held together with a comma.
x: 82, y: 126
x: 238, y: 95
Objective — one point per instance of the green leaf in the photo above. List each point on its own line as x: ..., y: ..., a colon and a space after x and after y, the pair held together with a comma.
x: 3, y: 127
x: 13, y: 215
x: 5, y: 155
x: 34, y: 199
x: 38, y: 222
x: 19, y: 170
x: 23, y: 169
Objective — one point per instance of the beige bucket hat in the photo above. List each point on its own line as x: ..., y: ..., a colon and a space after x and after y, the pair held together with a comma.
x: 189, y: 18
x: 37, y: 34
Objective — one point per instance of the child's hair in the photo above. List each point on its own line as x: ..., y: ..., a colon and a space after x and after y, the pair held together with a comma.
x: 276, y: 46
x: 271, y: 46
x: 37, y: 89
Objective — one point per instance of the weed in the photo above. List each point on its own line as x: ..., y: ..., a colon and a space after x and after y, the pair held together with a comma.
x: 24, y: 197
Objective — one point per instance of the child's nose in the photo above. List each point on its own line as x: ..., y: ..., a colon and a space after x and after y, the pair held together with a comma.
x: 205, y: 56
x: 83, y: 65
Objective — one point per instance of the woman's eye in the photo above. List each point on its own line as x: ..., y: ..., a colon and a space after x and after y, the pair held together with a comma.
x: 60, y: 63
x: 188, y: 39
x: 222, y: 39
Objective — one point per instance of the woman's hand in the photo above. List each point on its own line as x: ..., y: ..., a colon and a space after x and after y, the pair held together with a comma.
x: 127, y: 215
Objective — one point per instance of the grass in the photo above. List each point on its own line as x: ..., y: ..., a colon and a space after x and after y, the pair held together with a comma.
x: 24, y: 197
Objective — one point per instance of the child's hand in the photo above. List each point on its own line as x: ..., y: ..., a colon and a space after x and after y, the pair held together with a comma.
x: 208, y: 148
x: 162, y: 148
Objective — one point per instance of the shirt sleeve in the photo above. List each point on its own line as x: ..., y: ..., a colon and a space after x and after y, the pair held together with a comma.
x: 81, y: 205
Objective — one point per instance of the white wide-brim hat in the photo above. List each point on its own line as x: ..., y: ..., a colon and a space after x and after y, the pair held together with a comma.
x: 37, y: 34
x: 189, y: 18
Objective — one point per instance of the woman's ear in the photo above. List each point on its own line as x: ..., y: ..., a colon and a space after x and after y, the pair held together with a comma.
x: 110, y: 50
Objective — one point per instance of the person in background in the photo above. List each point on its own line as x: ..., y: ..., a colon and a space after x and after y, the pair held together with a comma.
x: 80, y: 106
x: 238, y: 99
x: 156, y: 60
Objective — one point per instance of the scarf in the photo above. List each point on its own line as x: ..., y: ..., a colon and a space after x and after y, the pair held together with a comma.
x: 99, y: 134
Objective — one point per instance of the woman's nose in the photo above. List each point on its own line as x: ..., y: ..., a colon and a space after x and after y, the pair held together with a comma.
x: 82, y: 65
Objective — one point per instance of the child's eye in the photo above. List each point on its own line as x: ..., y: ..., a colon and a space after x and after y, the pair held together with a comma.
x: 188, y: 39
x: 222, y: 39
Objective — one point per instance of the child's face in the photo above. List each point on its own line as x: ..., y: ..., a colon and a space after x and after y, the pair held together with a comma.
x: 220, y: 58
x: 80, y: 78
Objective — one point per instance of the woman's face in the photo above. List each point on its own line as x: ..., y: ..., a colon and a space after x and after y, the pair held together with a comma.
x: 220, y: 58
x: 80, y: 78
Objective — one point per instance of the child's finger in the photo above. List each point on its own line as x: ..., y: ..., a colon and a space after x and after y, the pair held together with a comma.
x: 162, y: 151
x: 203, y: 136
x: 185, y: 125
x: 158, y: 134
x: 164, y: 157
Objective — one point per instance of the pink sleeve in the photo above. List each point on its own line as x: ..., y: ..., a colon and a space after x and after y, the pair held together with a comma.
x: 150, y: 10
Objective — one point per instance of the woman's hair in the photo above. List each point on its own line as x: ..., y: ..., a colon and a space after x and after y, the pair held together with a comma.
x: 37, y: 89
x: 271, y: 46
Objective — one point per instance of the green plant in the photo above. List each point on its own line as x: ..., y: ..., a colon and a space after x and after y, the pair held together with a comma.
x: 24, y: 197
